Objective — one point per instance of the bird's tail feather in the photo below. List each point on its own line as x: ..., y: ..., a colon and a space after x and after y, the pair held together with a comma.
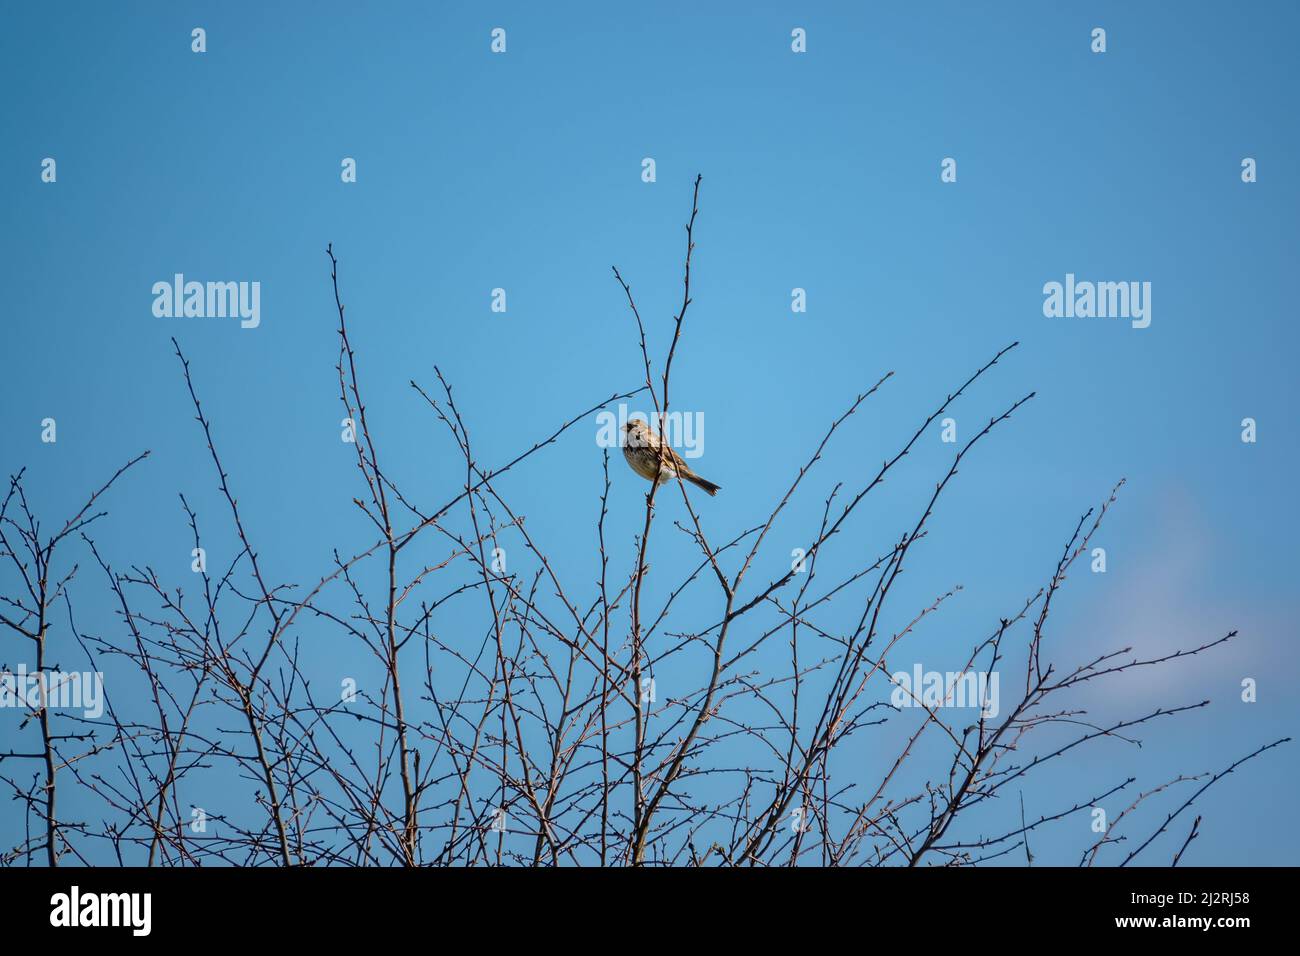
x: 704, y: 483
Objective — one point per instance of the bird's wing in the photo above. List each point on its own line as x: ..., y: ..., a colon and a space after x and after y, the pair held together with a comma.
x: 675, y: 460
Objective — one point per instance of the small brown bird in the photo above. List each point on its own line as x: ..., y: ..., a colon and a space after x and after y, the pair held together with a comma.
x: 644, y: 451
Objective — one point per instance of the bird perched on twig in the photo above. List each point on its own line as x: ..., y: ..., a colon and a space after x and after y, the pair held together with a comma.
x: 645, y: 452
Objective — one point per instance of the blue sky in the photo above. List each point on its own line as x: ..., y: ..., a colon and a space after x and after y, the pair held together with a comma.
x: 821, y: 171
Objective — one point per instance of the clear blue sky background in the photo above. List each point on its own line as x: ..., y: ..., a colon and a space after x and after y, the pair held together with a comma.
x: 821, y: 171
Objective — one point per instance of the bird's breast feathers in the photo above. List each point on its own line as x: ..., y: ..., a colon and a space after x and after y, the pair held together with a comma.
x: 645, y: 463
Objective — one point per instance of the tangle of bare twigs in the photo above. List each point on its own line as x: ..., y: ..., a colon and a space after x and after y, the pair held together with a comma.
x: 533, y: 741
